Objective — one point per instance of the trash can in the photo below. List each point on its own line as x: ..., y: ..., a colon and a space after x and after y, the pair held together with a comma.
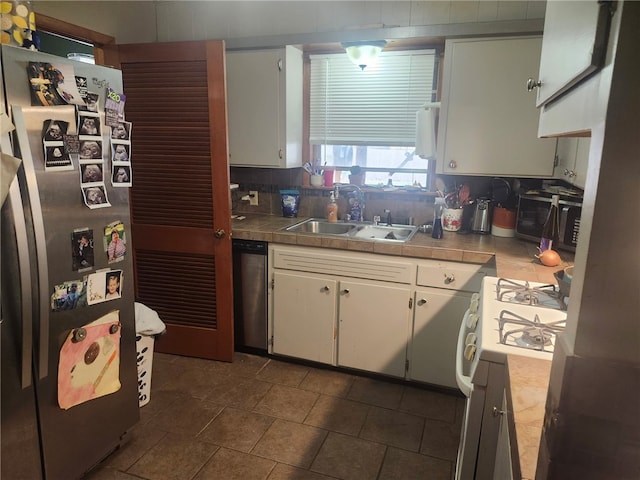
x: 148, y: 327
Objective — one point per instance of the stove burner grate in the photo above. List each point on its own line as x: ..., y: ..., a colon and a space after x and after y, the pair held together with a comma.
x: 523, y: 293
x: 533, y: 334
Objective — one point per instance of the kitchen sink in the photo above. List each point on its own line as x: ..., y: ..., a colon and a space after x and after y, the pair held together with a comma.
x: 321, y: 227
x: 400, y: 233
x: 364, y: 230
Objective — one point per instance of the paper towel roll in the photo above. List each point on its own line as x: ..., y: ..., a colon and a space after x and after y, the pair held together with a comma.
x: 425, y: 133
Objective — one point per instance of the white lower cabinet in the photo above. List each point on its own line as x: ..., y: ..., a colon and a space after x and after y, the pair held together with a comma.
x: 374, y: 324
x: 304, y: 316
x: 390, y: 315
x: 503, y: 469
x: 443, y: 293
x: 436, y: 323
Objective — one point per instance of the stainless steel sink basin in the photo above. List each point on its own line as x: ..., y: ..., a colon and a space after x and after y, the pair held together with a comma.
x: 364, y: 230
x: 386, y: 232
x: 321, y: 227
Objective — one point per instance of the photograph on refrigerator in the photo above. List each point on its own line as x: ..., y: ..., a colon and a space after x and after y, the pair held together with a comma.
x: 121, y: 175
x: 104, y: 285
x: 91, y: 172
x: 89, y: 365
x: 120, y: 152
x: 121, y: 155
x: 82, y: 258
x: 115, y: 241
x: 121, y: 131
x: 69, y: 295
x: 49, y: 84
x: 56, y: 155
x: 95, y: 196
x: 89, y: 124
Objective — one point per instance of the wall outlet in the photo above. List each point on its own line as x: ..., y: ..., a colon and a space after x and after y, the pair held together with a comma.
x: 253, y: 197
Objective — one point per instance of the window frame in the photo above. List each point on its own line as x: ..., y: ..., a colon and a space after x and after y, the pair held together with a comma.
x: 313, y: 151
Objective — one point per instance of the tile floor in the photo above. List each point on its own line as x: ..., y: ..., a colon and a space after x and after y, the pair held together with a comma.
x: 261, y: 418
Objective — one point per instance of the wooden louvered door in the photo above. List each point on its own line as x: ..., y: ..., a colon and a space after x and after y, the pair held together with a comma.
x: 180, y: 200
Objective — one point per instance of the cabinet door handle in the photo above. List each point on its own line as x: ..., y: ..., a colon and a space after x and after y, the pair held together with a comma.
x: 345, y: 291
x: 421, y: 302
x: 449, y: 278
x: 533, y: 84
x: 220, y: 233
x: 495, y: 412
x: 326, y: 289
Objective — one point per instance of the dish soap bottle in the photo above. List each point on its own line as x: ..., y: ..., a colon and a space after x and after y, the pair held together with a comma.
x: 332, y: 208
x: 438, y: 207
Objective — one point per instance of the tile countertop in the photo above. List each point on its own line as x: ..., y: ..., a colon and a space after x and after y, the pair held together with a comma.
x: 514, y: 258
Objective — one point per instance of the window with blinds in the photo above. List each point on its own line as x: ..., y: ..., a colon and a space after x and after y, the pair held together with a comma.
x: 368, y: 117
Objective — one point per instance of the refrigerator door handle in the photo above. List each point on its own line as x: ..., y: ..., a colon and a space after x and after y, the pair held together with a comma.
x: 40, y: 240
x: 26, y: 311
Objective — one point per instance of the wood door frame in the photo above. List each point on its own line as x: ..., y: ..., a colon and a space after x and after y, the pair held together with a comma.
x: 103, y: 45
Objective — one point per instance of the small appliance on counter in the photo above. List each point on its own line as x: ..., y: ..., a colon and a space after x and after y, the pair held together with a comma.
x: 482, y: 217
x: 504, y: 222
x: 533, y: 210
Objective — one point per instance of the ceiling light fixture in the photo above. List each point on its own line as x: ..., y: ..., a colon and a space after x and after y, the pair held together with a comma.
x: 364, y: 53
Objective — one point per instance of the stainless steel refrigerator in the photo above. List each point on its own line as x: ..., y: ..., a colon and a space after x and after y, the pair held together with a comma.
x: 39, y: 439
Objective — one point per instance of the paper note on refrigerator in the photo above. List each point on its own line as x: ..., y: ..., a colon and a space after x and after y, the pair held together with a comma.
x: 89, y: 365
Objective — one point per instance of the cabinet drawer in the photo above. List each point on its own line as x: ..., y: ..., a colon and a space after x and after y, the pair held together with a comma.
x: 453, y: 276
x: 356, y: 265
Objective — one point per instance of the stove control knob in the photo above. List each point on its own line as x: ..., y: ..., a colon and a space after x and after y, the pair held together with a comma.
x: 469, y: 352
x: 471, y: 338
x: 473, y: 307
x: 472, y: 321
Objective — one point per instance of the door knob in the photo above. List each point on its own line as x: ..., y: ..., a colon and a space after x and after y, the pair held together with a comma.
x: 220, y: 233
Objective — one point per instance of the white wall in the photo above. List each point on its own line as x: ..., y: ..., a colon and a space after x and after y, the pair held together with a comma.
x: 146, y: 21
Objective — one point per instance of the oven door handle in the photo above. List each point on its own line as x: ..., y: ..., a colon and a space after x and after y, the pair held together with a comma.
x: 463, y: 381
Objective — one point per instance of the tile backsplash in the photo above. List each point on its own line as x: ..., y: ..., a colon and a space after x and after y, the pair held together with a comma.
x: 313, y: 201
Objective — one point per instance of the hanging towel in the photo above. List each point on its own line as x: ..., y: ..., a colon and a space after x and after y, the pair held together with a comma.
x: 147, y: 321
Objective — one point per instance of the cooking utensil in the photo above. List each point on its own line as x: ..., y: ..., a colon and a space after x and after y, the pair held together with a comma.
x: 500, y: 191
x: 464, y: 194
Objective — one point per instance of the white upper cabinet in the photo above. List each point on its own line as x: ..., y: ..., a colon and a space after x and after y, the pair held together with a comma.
x: 576, y: 66
x: 573, y: 46
x: 264, y: 107
x: 488, y: 120
x: 573, y: 160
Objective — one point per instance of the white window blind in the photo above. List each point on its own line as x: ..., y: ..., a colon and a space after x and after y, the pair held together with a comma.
x: 377, y: 106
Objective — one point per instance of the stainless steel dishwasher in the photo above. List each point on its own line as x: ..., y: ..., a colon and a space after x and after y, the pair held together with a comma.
x: 250, y: 294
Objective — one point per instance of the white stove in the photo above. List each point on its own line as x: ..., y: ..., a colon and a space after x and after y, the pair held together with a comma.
x: 507, y: 317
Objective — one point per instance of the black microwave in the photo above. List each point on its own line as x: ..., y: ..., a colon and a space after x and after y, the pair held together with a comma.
x: 533, y: 210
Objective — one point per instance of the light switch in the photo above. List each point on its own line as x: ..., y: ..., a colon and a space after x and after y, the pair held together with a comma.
x: 253, y: 197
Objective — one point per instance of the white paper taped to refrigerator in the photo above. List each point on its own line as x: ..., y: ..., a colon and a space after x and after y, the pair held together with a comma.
x: 89, y: 365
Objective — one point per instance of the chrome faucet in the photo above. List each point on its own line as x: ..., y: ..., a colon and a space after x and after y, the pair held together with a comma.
x: 356, y: 210
x: 388, y: 212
